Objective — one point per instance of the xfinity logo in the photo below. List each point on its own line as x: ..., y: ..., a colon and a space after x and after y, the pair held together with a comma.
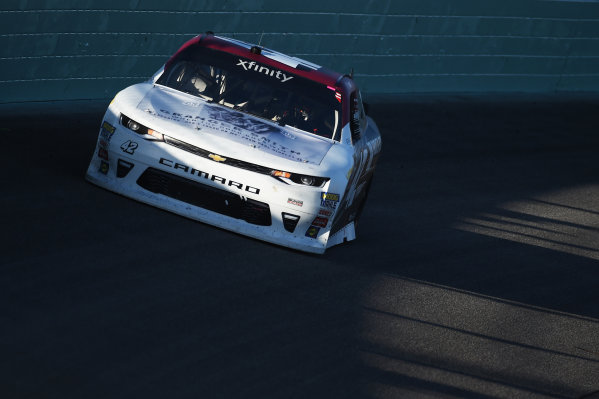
x: 205, y: 175
x: 251, y: 65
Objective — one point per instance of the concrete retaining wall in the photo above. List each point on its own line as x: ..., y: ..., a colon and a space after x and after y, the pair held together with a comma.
x: 54, y: 50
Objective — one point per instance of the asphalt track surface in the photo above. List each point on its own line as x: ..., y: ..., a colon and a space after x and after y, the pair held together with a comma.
x: 475, y: 273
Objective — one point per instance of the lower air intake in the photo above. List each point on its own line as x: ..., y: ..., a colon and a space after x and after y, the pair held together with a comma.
x: 290, y: 221
x: 123, y: 168
x: 204, y: 196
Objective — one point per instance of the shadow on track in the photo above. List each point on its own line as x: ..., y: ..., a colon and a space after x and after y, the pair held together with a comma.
x: 474, y: 273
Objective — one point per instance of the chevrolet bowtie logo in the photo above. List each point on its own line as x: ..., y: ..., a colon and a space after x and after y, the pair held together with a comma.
x: 217, y: 158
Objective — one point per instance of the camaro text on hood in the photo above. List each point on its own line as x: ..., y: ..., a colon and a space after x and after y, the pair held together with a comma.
x: 206, y: 175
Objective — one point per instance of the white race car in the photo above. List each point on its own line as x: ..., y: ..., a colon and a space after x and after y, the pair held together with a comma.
x: 246, y: 139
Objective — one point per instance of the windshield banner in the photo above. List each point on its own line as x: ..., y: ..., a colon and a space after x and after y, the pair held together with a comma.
x: 234, y: 125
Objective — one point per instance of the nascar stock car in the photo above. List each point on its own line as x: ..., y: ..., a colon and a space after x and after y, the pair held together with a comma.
x: 246, y: 139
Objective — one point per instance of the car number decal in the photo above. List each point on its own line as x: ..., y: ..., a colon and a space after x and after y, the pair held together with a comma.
x: 129, y: 147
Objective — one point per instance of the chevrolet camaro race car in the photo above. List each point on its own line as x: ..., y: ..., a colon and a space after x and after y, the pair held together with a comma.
x: 246, y: 139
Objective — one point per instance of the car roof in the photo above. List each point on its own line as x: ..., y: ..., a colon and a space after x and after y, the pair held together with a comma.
x: 265, y: 56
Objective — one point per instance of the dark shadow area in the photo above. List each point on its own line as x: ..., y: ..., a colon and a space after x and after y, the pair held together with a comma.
x: 474, y: 273
x: 448, y: 161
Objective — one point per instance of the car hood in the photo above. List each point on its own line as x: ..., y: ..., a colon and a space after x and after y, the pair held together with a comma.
x: 202, y: 122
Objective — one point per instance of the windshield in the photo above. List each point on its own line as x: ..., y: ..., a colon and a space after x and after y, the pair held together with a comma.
x: 256, y: 89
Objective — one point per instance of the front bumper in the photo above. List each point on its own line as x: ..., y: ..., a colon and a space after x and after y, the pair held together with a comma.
x: 235, y: 199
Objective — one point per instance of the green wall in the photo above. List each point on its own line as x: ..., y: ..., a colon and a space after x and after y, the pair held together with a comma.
x: 54, y: 50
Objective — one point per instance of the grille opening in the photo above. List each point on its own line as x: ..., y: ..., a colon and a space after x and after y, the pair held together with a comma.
x: 204, y: 196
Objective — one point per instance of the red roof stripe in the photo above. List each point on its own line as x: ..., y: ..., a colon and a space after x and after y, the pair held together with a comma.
x: 321, y: 75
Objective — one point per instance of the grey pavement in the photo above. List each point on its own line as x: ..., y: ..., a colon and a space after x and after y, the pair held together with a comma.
x: 474, y: 274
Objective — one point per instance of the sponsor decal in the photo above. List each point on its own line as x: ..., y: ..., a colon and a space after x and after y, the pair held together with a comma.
x: 320, y: 222
x: 129, y: 147
x: 275, y: 73
x: 325, y: 212
x: 191, y: 104
x: 295, y: 202
x: 329, y: 200
x: 312, y: 231
x: 330, y: 197
x: 240, y: 120
x: 208, y: 176
x: 217, y: 158
x: 108, y: 127
x: 103, y: 153
x: 107, y: 131
x: 104, y: 167
x: 103, y: 149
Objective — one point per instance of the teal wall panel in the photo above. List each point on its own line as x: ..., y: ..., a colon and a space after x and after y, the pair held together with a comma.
x: 87, y: 49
